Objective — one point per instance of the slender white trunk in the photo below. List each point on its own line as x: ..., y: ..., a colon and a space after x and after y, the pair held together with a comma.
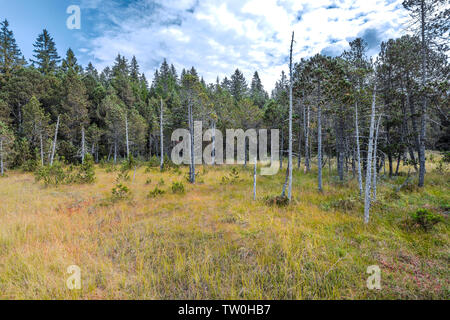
x: 319, y: 139
x: 161, y: 133
x: 358, y: 152
x: 42, y: 149
x: 126, y: 136
x: 375, y: 161
x: 115, y: 151
x: 54, y: 142
x: 307, y: 167
x: 367, y: 197
x: 82, y: 145
x: 290, y: 122
x: 1, y: 158
x: 213, y: 143
x: 254, y: 179
x: 423, y: 119
x: 191, y: 130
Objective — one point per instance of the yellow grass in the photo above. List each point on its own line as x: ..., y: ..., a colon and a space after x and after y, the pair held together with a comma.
x: 215, y: 242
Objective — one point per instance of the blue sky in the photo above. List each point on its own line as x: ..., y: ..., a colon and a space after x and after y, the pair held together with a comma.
x: 214, y: 36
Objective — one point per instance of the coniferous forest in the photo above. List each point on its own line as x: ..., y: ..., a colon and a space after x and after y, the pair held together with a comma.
x: 87, y: 177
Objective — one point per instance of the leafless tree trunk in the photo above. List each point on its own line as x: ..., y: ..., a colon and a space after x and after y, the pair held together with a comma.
x: 2, y: 170
x: 213, y: 143
x: 82, y: 144
x: 423, y: 119
x: 42, y: 149
x: 375, y: 171
x: 126, y: 136
x: 369, y: 161
x: 161, y: 133
x: 290, y: 122
x: 307, y: 154
x: 254, y: 179
x: 115, y: 151
x: 54, y: 142
x: 192, y: 155
x: 319, y: 139
x: 358, y: 151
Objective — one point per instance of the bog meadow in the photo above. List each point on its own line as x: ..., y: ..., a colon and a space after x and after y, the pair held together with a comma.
x: 357, y: 208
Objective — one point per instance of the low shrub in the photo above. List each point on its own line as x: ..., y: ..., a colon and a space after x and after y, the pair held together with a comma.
x: 345, y: 204
x: 178, y: 187
x: 279, y: 201
x: 155, y: 192
x: 232, y: 177
x: 120, y: 192
x: 423, y: 219
x: 51, y: 175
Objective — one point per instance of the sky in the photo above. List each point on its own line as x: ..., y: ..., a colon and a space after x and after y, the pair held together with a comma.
x: 215, y: 37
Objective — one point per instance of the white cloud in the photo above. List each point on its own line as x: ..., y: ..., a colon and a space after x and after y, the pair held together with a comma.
x: 217, y: 37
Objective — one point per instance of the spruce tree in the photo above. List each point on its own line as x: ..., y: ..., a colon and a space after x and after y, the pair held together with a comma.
x: 46, y: 54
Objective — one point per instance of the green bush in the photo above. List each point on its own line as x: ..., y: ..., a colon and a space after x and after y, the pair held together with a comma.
x: 51, y: 175
x: 232, y: 177
x: 30, y: 165
x: 425, y: 219
x: 85, y: 173
x: 155, y: 192
x: 57, y: 174
x: 120, y: 192
x: 345, y: 204
x: 178, y: 187
x: 446, y: 156
x: 279, y: 201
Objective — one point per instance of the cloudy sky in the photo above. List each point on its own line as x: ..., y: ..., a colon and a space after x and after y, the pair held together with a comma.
x: 214, y: 36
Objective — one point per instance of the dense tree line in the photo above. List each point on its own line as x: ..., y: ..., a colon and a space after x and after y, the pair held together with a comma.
x: 53, y: 107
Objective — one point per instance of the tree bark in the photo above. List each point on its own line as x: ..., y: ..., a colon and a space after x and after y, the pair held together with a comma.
x: 213, y: 143
x: 367, y: 197
x: 254, y: 179
x: 161, y: 133
x: 423, y: 119
x: 54, y: 142
x: 42, y: 149
x: 307, y: 154
x: 126, y: 136
x: 319, y: 139
x: 290, y: 122
x: 375, y: 169
x: 82, y: 145
x: 2, y: 170
x: 358, y: 151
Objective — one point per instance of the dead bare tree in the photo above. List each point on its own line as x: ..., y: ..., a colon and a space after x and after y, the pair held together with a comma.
x: 375, y: 161
x: 290, y: 122
x: 367, y: 198
x: 54, y: 142
x: 82, y: 144
x: 161, y: 133
x: 358, y: 151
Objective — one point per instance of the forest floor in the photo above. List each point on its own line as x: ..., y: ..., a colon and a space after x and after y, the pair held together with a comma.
x: 215, y: 242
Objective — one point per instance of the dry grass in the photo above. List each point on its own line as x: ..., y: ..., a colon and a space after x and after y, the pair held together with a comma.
x: 215, y: 242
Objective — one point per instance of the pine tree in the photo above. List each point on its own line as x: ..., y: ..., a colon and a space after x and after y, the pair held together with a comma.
x: 69, y: 64
x: 257, y: 92
x: 46, y: 55
x: 134, y: 70
x: 238, y: 86
x: 10, y: 54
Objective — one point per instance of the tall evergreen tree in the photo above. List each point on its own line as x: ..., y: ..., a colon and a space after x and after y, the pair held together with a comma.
x: 238, y: 86
x: 46, y: 54
x: 10, y: 54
